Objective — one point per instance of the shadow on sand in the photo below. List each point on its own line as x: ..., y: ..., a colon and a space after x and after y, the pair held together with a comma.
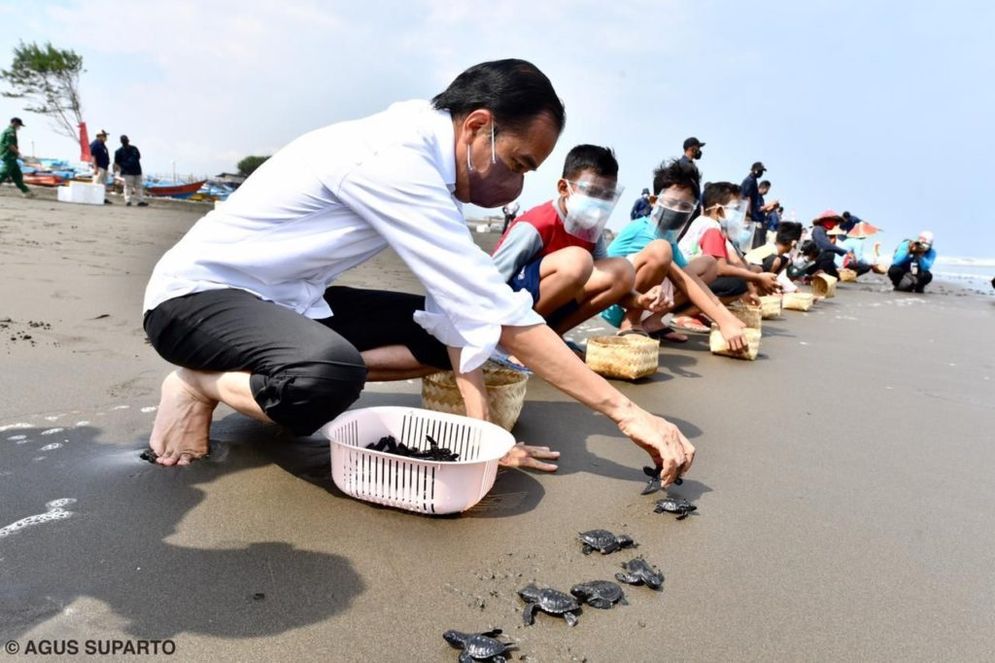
x: 111, y: 545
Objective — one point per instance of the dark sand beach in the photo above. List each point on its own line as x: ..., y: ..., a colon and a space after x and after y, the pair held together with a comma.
x: 843, y: 483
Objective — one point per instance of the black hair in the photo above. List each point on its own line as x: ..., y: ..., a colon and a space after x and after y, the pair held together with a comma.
x: 719, y: 193
x: 765, y: 183
x: 846, y: 215
x: 788, y: 232
x: 601, y: 160
x: 677, y: 173
x: 808, y: 248
x: 515, y: 91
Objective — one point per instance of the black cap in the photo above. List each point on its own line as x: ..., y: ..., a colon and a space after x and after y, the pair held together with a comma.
x: 759, y: 166
x: 17, y: 120
x: 646, y: 192
x: 693, y: 142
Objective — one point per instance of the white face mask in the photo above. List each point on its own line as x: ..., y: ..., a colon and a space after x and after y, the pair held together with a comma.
x: 587, y: 214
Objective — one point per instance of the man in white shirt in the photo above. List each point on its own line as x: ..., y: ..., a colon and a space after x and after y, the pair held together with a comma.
x: 245, y: 306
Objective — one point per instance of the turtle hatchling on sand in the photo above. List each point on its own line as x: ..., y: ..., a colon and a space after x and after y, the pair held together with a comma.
x: 479, y: 646
x: 640, y: 572
x: 604, y: 541
x: 550, y: 601
x: 674, y: 504
x: 653, y: 485
x: 599, y: 593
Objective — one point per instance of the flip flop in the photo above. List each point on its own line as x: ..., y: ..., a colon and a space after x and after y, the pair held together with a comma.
x: 689, y: 324
x: 670, y: 335
x: 634, y: 331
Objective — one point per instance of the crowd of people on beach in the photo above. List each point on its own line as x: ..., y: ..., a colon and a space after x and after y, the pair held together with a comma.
x: 245, y: 305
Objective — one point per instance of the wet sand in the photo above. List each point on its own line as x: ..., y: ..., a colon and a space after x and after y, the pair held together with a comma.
x: 843, y: 484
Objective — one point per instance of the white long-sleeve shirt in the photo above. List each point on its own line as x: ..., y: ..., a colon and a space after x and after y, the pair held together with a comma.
x: 331, y: 200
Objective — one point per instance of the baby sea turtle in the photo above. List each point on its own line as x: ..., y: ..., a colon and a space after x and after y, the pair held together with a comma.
x: 599, y: 593
x: 549, y: 601
x: 674, y: 504
x: 653, y: 485
x: 604, y: 541
x: 640, y: 572
x: 479, y: 646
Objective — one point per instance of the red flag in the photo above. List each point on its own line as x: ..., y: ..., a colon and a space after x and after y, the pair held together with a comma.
x: 84, y: 144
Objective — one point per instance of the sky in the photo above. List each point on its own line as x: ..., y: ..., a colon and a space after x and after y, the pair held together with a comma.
x: 880, y: 108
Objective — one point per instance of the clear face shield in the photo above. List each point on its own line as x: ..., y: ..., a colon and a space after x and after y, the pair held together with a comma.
x: 671, y: 215
x: 589, y: 206
x: 737, y: 229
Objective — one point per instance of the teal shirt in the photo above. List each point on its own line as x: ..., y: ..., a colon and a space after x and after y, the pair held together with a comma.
x: 633, y: 239
x: 636, y: 236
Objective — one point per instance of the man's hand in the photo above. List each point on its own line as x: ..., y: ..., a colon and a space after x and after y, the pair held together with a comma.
x: 663, y: 441
x: 528, y: 457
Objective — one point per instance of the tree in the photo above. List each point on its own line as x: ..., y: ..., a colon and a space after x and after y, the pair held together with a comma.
x: 48, y: 79
x: 247, y: 165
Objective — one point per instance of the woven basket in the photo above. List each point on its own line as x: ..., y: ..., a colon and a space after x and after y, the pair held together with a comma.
x: 799, y: 301
x: 505, y: 394
x: 824, y: 285
x: 748, y: 313
x: 627, y: 357
x: 847, y: 275
x: 717, y: 344
x: 770, y: 306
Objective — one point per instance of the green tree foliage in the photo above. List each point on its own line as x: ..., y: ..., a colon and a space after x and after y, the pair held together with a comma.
x: 247, y: 165
x: 48, y: 79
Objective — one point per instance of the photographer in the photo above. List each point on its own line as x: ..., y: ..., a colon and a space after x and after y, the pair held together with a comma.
x: 909, y: 271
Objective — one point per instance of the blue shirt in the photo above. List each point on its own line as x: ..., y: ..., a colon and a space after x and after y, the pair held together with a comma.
x: 903, y: 258
x: 642, y: 207
x: 100, y: 153
x: 751, y: 190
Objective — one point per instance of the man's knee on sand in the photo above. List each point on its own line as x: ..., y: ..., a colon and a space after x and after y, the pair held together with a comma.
x: 305, y: 394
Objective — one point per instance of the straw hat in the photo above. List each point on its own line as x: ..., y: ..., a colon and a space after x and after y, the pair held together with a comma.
x: 828, y: 217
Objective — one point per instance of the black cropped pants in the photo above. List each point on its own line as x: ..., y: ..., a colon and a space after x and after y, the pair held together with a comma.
x: 304, y: 372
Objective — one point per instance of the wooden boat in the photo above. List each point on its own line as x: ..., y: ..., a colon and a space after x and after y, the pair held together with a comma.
x: 43, y: 180
x: 174, y: 190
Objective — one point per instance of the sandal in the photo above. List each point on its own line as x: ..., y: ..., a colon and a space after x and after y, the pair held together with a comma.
x: 670, y: 335
x: 689, y: 324
x: 633, y: 331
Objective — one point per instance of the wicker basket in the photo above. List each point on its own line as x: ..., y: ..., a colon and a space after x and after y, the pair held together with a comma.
x: 627, y: 357
x: 505, y: 394
x: 770, y: 306
x: 748, y: 313
x: 824, y: 285
x: 847, y: 275
x: 717, y: 343
x: 799, y: 301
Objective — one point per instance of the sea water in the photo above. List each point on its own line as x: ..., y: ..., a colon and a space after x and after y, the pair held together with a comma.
x: 975, y: 273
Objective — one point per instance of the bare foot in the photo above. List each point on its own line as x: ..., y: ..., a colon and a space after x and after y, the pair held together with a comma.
x: 182, y: 423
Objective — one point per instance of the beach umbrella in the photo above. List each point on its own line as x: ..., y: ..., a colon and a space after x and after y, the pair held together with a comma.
x: 863, y: 229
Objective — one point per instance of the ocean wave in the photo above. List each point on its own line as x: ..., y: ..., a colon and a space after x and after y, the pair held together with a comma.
x: 966, y: 262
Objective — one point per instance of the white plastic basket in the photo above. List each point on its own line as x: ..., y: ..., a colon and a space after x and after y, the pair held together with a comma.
x: 424, y: 486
